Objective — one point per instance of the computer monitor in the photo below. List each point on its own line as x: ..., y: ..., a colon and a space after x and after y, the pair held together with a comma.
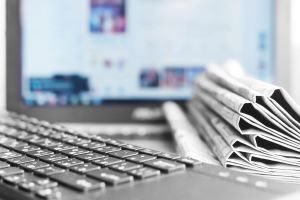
x: 97, y: 60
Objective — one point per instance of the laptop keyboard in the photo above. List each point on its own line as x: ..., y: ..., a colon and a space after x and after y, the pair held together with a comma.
x: 37, y: 157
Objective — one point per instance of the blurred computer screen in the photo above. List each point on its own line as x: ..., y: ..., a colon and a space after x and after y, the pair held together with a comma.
x: 93, y: 52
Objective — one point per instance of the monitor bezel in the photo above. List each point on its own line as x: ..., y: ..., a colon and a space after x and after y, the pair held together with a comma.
x: 85, y: 114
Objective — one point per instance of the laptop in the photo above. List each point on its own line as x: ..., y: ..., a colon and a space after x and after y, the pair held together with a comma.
x: 111, y: 63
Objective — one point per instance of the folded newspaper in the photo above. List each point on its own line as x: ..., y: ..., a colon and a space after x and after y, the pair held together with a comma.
x: 249, y: 125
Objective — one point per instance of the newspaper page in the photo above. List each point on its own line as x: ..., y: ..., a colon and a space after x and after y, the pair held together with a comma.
x: 252, y: 126
x: 235, y: 140
x: 187, y: 139
x: 251, y: 116
x: 279, y: 97
x: 220, y: 146
x: 221, y: 149
x: 244, y: 155
x: 244, y: 126
x: 222, y: 78
x: 274, y: 98
x: 246, y: 108
x: 229, y: 134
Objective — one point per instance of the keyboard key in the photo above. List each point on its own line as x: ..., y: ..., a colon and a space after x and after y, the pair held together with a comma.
x: 3, y: 165
x: 108, y: 149
x: 23, y: 134
x: 15, y: 144
x: 77, y: 141
x: 83, y: 168
x: 123, y: 153
x: 165, y: 165
x: 3, y: 150
x: 6, y: 140
x: 49, y: 193
x: 45, y: 182
x: 46, y: 171
x: 168, y: 156
x: 38, y: 184
x: 99, y: 138
x: 125, y: 166
x: 66, y: 136
x: 58, y: 135
x: 189, y: 161
x: 36, y: 139
x: 61, y: 147
x: 92, y: 145
x: 10, y: 171
x: 140, y: 158
x: 34, y: 165
x: 10, y: 154
x: 131, y: 147
x: 27, y: 148
x: 19, y: 178
x: 54, y: 157
x: 144, y: 172
x: 68, y: 162
x: 78, y: 182
x: 110, y: 176
x: 26, y: 136
x: 75, y: 151
x: 7, y: 130
x: 115, y: 142
x: 20, y: 160
x: 40, y: 153
x: 106, y: 161
x: 90, y: 156
x: 49, y: 143
x: 150, y: 151
x: 47, y: 132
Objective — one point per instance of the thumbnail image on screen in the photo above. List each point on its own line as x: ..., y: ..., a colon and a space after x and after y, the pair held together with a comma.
x: 107, y: 16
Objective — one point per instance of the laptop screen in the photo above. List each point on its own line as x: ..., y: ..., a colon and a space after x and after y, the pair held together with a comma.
x: 94, y: 52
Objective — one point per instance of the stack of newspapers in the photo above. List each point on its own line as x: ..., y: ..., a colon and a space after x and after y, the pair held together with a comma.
x: 249, y: 125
